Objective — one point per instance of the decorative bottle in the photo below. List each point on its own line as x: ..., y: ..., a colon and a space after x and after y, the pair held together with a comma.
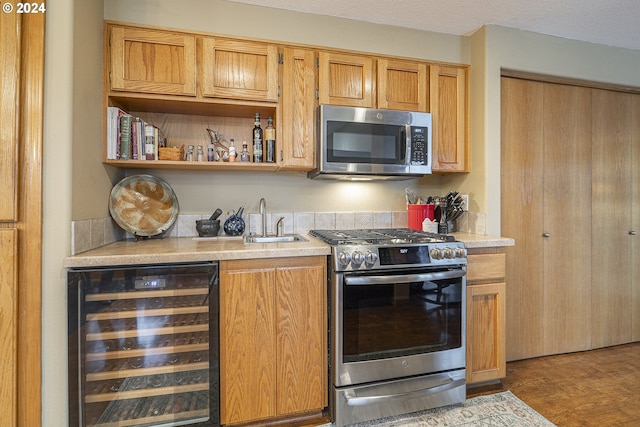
x: 232, y: 151
x: 244, y: 155
x: 257, y: 140
x: 270, y: 141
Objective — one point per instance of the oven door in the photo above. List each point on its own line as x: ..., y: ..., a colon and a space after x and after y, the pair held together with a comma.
x: 394, y: 324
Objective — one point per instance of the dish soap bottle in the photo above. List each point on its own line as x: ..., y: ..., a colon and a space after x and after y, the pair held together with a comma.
x: 244, y: 155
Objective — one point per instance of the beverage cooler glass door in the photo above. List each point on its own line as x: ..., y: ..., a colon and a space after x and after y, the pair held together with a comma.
x: 143, y: 345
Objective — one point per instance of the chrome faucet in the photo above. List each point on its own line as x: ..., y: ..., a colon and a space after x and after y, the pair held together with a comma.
x: 263, y: 212
x: 280, y: 227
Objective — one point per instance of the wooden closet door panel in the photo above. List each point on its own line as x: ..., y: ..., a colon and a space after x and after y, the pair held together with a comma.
x: 635, y: 219
x: 567, y: 218
x: 8, y: 326
x: 9, y: 79
x: 611, y: 193
x: 522, y: 214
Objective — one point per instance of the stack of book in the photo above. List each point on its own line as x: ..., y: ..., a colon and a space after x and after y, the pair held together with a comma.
x: 131, y: 138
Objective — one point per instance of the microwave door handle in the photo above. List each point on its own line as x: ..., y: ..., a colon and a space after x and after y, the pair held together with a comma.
x: 404, y: 278
x: 407, y: 144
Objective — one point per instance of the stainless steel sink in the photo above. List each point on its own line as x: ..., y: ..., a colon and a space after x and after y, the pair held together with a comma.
x: 274, y: 239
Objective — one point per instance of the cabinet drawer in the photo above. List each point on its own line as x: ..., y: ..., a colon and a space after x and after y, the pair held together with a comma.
x: 483, y: 267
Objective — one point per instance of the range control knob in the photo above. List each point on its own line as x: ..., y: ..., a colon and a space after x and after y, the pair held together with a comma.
x: 448, y: 253
x: 356, y: 258
x: 344, y: 258
x: 370, y: 258
x: 460, y: 252
x: 436, y: 253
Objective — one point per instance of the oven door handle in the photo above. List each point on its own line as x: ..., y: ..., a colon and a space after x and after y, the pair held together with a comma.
x: 404, y: 278
x: 353, y: 400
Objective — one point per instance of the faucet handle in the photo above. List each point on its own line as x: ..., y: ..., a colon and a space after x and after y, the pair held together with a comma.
x: 280, y: 227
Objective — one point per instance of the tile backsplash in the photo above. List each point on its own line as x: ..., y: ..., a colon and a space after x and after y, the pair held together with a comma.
x: 92, y: 233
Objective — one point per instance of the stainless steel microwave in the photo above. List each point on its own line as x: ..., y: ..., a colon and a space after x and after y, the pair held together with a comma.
x: 369, y: 144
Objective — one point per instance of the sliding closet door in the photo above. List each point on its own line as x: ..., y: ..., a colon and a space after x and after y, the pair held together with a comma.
x: 567, y: 218
x: 522, y: 214
x: 546, y: 208
x: 612, y: 201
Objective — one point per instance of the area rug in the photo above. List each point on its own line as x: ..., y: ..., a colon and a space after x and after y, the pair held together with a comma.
x: 494, y: 410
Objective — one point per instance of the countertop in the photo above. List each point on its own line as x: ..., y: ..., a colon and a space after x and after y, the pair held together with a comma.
x: 482, y: 241
x: 194, y: 249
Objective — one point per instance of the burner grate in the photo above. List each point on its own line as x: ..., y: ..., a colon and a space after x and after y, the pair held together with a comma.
x: 378, y: 236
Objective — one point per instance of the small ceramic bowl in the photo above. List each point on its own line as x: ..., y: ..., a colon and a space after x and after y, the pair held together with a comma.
x: 208, y: 227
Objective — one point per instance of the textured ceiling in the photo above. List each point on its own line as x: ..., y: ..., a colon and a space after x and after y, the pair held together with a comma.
x: 608, y: 22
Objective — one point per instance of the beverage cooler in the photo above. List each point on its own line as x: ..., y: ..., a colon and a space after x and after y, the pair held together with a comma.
x: 143, y: 346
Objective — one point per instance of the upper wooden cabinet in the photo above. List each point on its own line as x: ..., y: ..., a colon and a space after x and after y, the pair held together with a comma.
x: 194, y: 78
x: 346, y: 79
x: 152, y: 61
x: 239, y: 69
x: 297, y: 126
x: 402, y: 85
x: 449, y: 109
x: 366, y: 81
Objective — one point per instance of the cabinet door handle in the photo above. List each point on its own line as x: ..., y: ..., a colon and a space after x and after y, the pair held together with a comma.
x: 633, y: 232
x: 546, y: 235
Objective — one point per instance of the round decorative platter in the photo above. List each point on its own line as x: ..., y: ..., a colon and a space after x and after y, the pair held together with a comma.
x: 143, y: 205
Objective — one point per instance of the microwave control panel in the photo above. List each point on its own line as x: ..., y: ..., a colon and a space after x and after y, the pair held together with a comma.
x: 419, y: 145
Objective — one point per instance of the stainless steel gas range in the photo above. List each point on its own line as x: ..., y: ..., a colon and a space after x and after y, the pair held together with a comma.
x: 397, y: 322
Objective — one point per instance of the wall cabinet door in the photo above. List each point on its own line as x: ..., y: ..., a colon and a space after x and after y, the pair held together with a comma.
x: 297, y: 124
x: 152, y: 61
x: 238, y: 69
x: 486, y: 320
x: 448, y: 87
x: 346, y: 80
x: 611, y: 191
x: 273, y: 357
x: 402, y: 85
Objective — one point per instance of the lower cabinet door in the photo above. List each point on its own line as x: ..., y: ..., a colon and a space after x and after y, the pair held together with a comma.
x: 273, y: 343
x: 486, y: 332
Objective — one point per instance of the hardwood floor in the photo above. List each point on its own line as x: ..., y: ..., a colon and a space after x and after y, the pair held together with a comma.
x: 591, y: 388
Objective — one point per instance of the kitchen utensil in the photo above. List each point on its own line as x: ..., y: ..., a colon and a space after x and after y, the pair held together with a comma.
x: 215, y: 214
x: 208, y: 227
x: 143, y: 205
x: 411, y: 196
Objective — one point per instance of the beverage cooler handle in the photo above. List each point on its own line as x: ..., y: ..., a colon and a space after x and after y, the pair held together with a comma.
x: 353, y: 400
x: 404, y: 278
